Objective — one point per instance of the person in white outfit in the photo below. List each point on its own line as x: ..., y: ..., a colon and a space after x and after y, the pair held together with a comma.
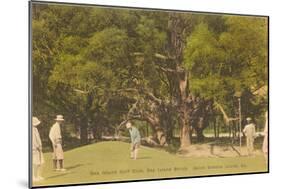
x: 56, y: 139
x: 250, y: 132
x: 265, y: 139
x: 37, y: 155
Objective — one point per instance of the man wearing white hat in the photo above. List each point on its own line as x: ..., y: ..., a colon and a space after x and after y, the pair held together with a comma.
x: 250, y: 132
x: 37, y: 155
x: 56, y: 139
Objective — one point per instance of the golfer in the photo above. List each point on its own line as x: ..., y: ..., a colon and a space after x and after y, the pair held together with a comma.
x: 250, y: 132
x: 135, y: 139
x: 37, y: 155
x: 56, y: 139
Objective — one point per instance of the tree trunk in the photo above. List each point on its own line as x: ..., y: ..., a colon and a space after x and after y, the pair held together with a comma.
x: 219, y: 124
x: 84, y: 136
x: 161, y: 137
x: 215, y: 128
x: 178, y: 26
x: 167, y: 123
x: 97, y: 131
x: 184, y: 119
x: 83, y: 132
x: 85, y: 120
x: 200, y: 128
x: 184, y: 135
x: 158, y: 131
x: 169, y: 133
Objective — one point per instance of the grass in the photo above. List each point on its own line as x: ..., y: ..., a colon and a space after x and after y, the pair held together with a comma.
x: 110, y: 161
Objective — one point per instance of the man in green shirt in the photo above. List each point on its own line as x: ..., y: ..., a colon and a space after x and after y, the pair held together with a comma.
x: 135, y: 139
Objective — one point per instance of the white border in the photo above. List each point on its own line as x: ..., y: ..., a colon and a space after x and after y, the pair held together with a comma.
x: 14, y: 92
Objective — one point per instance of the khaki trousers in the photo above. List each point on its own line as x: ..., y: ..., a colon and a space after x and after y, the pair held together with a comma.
x: 58, y: 152
x: 134, y: 150
x: 250, y: 145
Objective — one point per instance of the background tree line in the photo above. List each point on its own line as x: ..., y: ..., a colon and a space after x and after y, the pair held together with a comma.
x: 99, y: 67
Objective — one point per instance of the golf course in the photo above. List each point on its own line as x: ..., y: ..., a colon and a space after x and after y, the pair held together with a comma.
x: 110, y: 161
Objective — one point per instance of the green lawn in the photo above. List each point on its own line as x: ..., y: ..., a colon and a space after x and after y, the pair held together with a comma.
x: 109, y: 161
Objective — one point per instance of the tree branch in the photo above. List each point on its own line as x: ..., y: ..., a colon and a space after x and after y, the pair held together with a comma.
x: 156, y: 55
x: 152, y: 97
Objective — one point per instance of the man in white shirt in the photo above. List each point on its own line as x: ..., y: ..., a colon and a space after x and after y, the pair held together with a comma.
x: 56, y: 139
x: 37, y: 155
x: 250, y: 132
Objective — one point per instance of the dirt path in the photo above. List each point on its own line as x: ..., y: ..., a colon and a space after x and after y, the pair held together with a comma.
x: 209, y: 150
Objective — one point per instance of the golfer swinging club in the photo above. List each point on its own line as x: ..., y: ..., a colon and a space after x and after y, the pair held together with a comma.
x: 135, y: 139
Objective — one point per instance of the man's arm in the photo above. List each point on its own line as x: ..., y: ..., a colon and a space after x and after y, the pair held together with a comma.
x: 52, y: 136
x: 244, y: 130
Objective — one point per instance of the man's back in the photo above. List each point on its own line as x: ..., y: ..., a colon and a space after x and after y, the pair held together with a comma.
x: 135, y: 135
x: 249, y: 130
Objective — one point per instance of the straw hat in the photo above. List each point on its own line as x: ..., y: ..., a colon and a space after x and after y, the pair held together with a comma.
x: 59, y: 118
x: 248, y: 119
x: 35, y: 121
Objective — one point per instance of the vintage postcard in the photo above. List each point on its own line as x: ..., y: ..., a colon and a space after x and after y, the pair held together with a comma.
x: 123, y: 94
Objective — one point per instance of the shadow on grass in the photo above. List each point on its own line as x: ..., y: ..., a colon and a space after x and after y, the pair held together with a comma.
x: 60, y: 175
x: 74, y: 166
x: 144, y: 158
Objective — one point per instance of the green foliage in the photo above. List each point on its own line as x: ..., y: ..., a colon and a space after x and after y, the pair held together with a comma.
x: 147, y: 31
x: 108, y: 47
x: 233, y: 59
x: 202, y: 53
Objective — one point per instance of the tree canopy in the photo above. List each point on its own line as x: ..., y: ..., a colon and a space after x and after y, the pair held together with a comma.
x: 101, y: 66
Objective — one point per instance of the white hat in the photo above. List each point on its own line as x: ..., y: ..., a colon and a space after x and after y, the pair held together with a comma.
x: 248, y: 119
x: 59, y: 118
x: 35, y: 121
